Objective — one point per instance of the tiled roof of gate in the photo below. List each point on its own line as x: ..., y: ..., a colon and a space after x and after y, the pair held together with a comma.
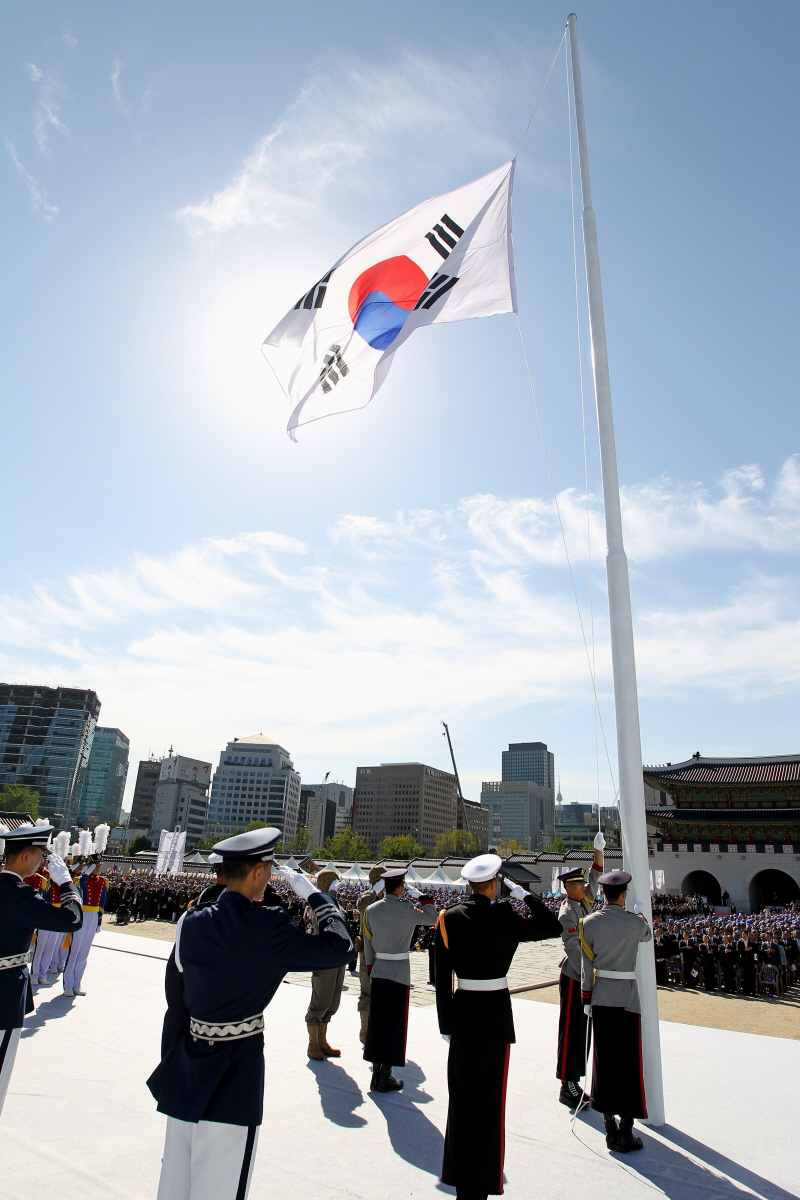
x: 698, y: 770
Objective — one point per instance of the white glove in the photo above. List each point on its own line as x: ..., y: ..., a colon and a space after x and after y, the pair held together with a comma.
x: 377, y: 887
x: 599, y: 842
x: 301, y: 886
x: 412, y: 891
x: 337, y: 883
x: 446, y: 1038
x: 58, y: 870
x: 638, y: 907
x: 587, y: 1008
x: 517, y: 891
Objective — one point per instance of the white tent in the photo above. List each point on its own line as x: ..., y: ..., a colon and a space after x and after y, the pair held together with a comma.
x: 437, y: 878
x: 412, y: 875
x: 356, y: 872
x: 196, y: 858
x: 330, y: 866
x: 292, y: 864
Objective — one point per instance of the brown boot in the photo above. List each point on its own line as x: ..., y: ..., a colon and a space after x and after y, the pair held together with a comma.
x: 327, y: 1050
x: 314, y: 1050
x: 362, y: 1037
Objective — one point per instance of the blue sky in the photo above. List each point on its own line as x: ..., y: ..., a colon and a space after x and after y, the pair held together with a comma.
x: 174, y: 176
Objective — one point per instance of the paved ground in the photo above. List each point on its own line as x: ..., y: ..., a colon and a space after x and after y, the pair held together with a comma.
x: 731, y: 1132
x: 537, y: 964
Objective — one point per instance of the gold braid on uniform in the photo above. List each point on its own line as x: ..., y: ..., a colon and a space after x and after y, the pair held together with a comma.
x: 587, y: 949
x: 365, y: 925
x: 440, y: 925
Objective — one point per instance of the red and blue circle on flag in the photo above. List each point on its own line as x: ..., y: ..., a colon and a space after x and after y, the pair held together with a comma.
x: 382, y: 298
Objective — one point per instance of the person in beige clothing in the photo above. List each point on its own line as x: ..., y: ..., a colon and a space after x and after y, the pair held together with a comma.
x: 326, y: 988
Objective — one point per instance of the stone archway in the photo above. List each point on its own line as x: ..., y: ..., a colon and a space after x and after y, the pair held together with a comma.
x: 702, y: 883
x: 772, y: 887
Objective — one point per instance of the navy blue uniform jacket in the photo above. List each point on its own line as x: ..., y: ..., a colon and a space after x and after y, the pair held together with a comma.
x: 22, y: 910
x: 234, y: 956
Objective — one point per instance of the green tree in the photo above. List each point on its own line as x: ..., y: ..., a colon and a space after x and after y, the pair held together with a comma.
x: 302, y: 842
x: 587, y: 846
x: 402, y: 845
x: 139, y: 843
x: 557, y: 846
x: 15, y: 797
x: 509, y: 846
x: 459, y: 842
x: 348, y: 845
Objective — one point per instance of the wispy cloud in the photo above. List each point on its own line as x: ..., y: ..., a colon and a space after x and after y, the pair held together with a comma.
x: 370, y: 636
x: 351, y: 112
x: 46, y: 115
x: 39, y: 202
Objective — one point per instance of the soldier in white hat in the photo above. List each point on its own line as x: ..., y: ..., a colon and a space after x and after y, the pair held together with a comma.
x: 233, y: 955
x: 22, y: 911
x: 389, y: 926
x: 610, y: 942
x: 572, y: 1021
x: 475, y: 944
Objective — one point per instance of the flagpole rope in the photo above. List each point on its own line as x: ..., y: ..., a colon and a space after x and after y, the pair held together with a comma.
x: 566, y: 548
x: 583, y: 421
x: 541, y: 93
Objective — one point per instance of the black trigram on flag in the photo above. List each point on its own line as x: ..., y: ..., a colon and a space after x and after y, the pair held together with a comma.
x: 335, y: 367
x: 434, y: 289
x: 442, y: 241
x: 314, y: 297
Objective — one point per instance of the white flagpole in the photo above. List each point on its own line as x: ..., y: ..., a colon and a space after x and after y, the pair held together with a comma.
x: 626, y: 703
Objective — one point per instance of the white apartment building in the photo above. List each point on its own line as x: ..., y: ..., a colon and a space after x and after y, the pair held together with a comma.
x: 255, y: 781
x: 181, y: 800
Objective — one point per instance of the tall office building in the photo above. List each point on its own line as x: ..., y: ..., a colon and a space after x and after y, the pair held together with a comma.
x: 338, y: 794
x: 181, y: 801
x: 531, y: 761
x: 400, y: 798
x: 577, y: 824
x: 255, y: 781
x: 104, y: 781
x: 144, y: 794
x: 45, y: 740
x: 520, y: 810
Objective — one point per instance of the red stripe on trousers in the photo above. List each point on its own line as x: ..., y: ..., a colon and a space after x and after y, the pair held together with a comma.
x: 565, y: 1049
x: 503, y: 1122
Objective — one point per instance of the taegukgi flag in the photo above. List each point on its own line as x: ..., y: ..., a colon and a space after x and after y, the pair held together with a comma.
x: 448, y: 259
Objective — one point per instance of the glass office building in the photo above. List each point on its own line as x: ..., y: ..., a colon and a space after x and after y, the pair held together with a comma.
x: 46, y: 737
x: 104, y: 781
x: 529, y: 760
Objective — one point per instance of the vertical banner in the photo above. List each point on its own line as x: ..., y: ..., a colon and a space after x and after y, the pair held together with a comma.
x: 171, y: 849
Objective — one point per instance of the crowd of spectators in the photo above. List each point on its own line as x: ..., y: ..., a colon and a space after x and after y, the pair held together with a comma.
x: 698, y: 947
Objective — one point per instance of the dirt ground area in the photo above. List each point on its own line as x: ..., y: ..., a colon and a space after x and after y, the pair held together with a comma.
x: 716, y: 1010
x: 163, y: 931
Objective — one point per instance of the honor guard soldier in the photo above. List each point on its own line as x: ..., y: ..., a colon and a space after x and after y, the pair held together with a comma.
x: 475, y: 943
x: 372, y: 894
x: 609, y: 945
x: 389, y: 926
x: 572, y: 1021
x: 93, y: 890
x: 22, y: 911
x: 326, y: 987
x: 233, y: 955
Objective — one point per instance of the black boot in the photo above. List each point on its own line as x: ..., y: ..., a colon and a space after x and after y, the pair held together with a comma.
x: 387, y: 1081
x: 627, y: 1139
x: 376, y: 1075
x: 571, y: 1093
x: 612, y: 1131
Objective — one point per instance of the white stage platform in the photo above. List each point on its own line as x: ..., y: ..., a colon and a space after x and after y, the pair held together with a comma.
x: 80, y: 1124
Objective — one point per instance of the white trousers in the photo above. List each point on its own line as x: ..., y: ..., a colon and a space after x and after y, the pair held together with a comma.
x: 59, y: 959
x: 46, y: 942
x: 207, y: 1161
x: 9, y: 1041
x: 81, y: 945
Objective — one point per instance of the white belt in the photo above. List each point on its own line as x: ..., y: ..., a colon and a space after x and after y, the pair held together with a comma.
x: 616, y: 974
x: 393, y: 957
x: 14, y: 960
x: 226, y: 1031
x: 482, y: 985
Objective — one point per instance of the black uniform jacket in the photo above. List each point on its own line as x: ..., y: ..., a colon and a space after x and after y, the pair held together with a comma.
x: 22, y: 910
x: 234, y: 955
x: 478, y: 942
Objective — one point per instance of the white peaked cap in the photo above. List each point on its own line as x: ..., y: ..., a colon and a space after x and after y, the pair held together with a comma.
x: 481, y: 869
